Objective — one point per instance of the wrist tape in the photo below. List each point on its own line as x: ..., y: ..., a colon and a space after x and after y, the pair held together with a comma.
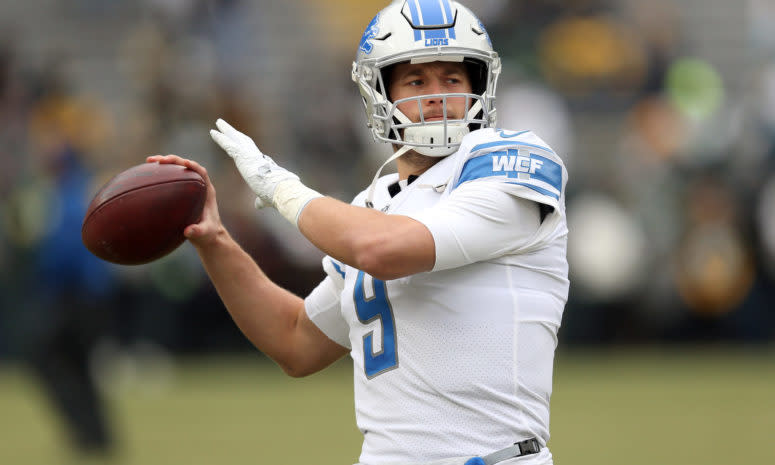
x: 290, y: 197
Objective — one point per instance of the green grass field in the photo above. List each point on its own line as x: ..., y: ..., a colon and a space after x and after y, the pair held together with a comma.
x: 619, y: 406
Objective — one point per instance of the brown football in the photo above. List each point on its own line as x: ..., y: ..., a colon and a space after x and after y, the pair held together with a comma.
x: 139, y: 215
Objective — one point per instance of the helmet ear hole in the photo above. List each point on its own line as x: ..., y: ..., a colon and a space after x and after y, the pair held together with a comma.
x: 477, y: 74
x: 387, y: 77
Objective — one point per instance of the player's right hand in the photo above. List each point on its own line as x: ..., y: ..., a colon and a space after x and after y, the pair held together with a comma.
x: 210, y: 225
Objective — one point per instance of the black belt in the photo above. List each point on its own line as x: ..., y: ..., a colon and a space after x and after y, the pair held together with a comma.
x: 526, y: 447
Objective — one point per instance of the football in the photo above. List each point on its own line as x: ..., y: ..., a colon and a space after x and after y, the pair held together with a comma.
x: 139, y: 215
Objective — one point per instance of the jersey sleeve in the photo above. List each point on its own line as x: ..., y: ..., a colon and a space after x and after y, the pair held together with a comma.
x: 480, y: 221
x: 323, y: 304
x: 494, y: 205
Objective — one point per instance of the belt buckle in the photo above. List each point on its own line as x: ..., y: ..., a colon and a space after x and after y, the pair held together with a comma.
x: 518, y: 449
x: 528, y: 446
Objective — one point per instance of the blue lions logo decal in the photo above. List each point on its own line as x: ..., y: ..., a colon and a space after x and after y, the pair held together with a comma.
x: 371, y: 31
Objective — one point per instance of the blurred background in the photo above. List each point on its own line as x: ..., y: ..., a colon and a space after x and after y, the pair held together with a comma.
x: 664, y: 112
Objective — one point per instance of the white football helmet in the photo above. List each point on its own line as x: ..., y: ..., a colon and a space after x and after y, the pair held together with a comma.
x: 419, y: 31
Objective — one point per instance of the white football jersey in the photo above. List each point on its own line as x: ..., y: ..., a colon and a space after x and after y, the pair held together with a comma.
x: 458, y: 361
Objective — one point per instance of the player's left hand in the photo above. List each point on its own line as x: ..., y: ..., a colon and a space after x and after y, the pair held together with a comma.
x: 260, y: 172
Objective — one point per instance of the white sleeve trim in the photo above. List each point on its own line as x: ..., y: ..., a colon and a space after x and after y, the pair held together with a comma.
x: 323, y: 307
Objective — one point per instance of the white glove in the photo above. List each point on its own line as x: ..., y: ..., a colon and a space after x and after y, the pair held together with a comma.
x: 263, y: 175
x: 260, y: 172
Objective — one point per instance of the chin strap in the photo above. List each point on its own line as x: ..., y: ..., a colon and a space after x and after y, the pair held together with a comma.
x: 370, y: 194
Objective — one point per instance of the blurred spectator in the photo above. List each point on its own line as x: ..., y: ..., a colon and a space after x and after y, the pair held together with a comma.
x: 70, y: 308
x: 714, y: 263
x: 61, y: 292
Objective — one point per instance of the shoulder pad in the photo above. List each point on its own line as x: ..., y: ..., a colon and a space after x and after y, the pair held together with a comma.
x: 519, y: 158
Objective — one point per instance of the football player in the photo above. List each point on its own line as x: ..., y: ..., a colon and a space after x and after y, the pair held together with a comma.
x: 446, y: 281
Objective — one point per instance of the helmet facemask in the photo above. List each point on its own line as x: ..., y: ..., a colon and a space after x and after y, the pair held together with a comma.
x: 437, y: 138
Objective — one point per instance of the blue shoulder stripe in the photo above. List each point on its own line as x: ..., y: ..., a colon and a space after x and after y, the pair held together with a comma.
x: 532, y: 170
